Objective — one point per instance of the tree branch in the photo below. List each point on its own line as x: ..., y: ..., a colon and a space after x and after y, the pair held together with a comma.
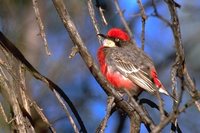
x: 7, y: 45
x: 121, y: 15
x: 8, y: 92
x: 173, y: 115
x: 101, y: 10
x: 182, y: 71
x: 110, y: 104
x: 41, y: 26
x: 144, y: 18
x: 67, y: 112
x: 92, y: 16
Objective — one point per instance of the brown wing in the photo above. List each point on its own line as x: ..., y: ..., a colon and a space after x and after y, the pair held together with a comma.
x: 135, y: 73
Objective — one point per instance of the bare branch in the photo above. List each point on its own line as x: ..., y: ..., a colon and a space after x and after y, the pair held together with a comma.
x: 161, y: 108
x: 123, y: 20
x: 180, y: 58
x: 144, y: 17
x: 22, y: 89
x: 193, y: 90
x: 101, y: 10
x: 173, y: 115
x: 110, y: 104
x: 42, y: 116
x: 14, y: 78
x: 41, y: 26
x: 93, y: 18
x: 73, y: 52
x: 2, y: 112
x: 66, y: 111
x: 7, y: 45
x: 8, y: 92
x: 157, y: 14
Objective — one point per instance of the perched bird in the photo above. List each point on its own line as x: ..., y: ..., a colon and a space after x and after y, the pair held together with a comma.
x: 126, y: 66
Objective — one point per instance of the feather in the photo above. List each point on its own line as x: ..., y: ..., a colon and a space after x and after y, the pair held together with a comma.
x: 136, y: 75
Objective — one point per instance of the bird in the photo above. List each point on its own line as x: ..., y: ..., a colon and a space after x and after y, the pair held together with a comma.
x: 126, y: 66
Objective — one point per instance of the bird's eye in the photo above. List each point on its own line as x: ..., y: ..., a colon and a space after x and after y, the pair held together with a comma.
x: 117, y: 42
x: 116, y: 39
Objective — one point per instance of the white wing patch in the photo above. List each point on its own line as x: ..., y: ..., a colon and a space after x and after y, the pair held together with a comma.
x: 128, y: 67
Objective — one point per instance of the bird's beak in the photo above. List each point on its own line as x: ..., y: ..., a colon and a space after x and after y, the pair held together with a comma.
x: 106, y: 41
x: 102, y: 35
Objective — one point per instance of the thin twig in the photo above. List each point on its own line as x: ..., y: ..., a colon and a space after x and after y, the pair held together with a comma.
x: 160, y: 100
x: 66, y: 111
x: 144, y: 17
x: 92, y: 16
x: 2, y: 112
x: 153, y: 105
x: 101, y: 10
x: 194, y: 91
x: 143, y: 33
x: 157, y: 14
x: 2, y: 63
x: 8, y: 93
x: 23, y: 88
x: 123, y: 20
x: 160, y: 126
x: 174, y: 80
x: 180, y: 96
x: 175, y: 93
x: 74, y: 51
x: 102, y: 126
x: 41, y: 26
x: 42, y: 116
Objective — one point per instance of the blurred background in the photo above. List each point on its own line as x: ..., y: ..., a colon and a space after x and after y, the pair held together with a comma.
x: 18, y: 23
